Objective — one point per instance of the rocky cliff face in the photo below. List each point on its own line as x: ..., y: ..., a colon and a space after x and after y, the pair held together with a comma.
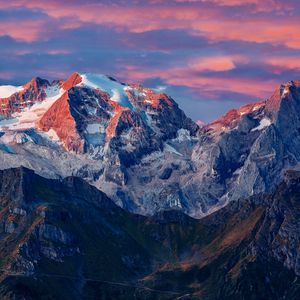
x: 138, y: 147
x: 64, y: 239
x: 246, y: 151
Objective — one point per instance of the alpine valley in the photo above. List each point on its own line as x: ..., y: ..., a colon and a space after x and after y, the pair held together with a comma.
x: 109, y: 191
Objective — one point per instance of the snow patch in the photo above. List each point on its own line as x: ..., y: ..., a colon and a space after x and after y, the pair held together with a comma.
x: 8, y: 122
x: 171, y: 149
x: 285, y: 92
x: 52, y: 135
x: 115, y: 89
x: 28, y: 118
x: 15, y: 137
x: 183, y: 135
x: 91, y: 110
x: 8, y: 90
x: 95, y: 134
x: 256, y: 107
x: 136, y: 92
x: 265, y: 122
x: 174, y: 201
x: 52, y: 91
x: 95, y: 128
x: 160, y: 89
x: 237, y: 171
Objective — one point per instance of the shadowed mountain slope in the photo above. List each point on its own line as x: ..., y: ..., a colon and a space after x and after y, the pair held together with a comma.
x: 64, y: 239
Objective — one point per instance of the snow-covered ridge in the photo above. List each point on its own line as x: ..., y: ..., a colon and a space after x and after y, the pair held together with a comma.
x: 8, y: 90
x: 115, y: 89
x: 28, y: 118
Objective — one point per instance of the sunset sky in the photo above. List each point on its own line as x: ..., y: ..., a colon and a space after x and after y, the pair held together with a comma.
x: 209, y: 55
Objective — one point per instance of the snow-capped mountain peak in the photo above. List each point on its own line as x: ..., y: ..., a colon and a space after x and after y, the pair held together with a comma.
x: 139, y: 147
x: 34, y: 108
x: 8, y: 90
x: 115, y: 89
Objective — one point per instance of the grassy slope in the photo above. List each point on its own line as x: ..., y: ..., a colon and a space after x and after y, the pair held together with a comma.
x: 207, y: 259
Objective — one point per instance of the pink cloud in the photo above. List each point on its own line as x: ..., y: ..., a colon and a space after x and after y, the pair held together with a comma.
x: 284, y: 63
x: 217, y: 63
x: 252, y: 30
x: 258, y: 5
x: 211, y: 22
x: 216, y: 20
x: 210, y: 85
x: 58, y: 51
x: 205, y: 85
x: 27, y: 30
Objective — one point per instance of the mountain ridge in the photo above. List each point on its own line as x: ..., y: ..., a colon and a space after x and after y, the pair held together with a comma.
x: 65, y: 239
x: 139, y: 147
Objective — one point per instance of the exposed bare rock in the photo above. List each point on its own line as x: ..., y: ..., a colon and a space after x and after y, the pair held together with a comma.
x: 138, y: 146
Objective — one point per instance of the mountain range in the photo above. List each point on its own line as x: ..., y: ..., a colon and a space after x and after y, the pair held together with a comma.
x: 138, y: 146
x: 109, y: 191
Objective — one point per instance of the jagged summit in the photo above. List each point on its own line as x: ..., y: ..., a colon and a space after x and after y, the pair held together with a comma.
x: 88, y: 110
x: 284, y: 96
